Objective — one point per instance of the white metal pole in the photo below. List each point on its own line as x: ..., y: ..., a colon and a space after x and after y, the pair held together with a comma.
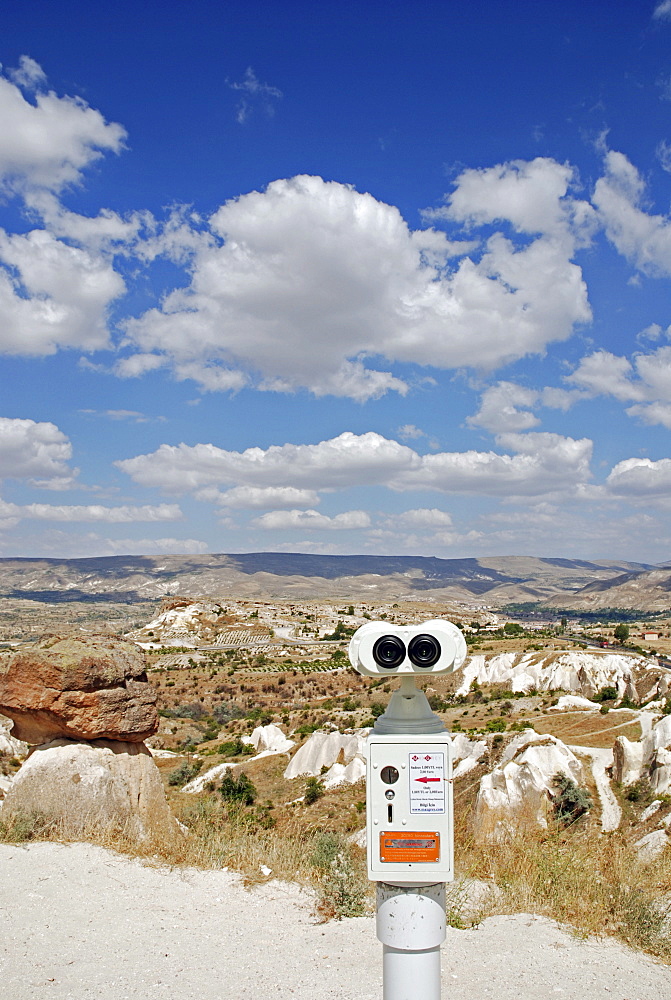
x: 411, y: 926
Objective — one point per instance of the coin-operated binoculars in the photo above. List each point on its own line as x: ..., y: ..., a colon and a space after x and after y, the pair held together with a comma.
x: 409, y: 819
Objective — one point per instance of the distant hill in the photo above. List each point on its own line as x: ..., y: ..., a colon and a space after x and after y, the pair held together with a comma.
x: 495, y: 581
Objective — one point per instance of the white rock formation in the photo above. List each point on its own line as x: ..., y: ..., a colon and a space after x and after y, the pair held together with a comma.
x: 323, y: 750
x: 580, y: 673
x: 8, y: 744
x: 652, y: 845
x: 466, y: 754
x: 519, y: 790
x: 651, y: 810
x: 107, y: 784
x: 627, y: 760
x: 574, y: 703
x: 269, y: 738
x: 660, y: 771
x: 198, y: 783
x: 345, y: 774
x: 650, y: 758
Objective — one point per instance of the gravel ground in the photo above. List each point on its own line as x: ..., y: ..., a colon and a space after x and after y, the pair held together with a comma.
x: 80, y: 923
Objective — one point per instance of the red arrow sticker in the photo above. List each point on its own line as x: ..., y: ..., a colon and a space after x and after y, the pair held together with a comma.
x: 425, y: 779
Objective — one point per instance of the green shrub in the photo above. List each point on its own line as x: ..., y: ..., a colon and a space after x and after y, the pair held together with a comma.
x: 343, y: 887
x: 240, y: 789
x: 314, y: 789
x: 570, y: 802
x: 185, y: 772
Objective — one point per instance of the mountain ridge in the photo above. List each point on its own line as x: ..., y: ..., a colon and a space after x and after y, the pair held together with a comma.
x: 496, y: 580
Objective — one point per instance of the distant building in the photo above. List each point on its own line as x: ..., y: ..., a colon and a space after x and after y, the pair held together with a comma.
x: 650, y: 636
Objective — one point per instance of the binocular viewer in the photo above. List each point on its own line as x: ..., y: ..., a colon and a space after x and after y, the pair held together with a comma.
x: 378, y: 649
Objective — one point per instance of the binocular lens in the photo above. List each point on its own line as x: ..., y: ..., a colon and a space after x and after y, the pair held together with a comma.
x: 389, y: 652
x: 424, y: 650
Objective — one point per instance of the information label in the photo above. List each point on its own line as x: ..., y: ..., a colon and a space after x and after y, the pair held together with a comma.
x: 427, y: 782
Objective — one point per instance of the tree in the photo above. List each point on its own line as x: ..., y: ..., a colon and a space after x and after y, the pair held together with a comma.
x: 621, y: 633
x: 564, y: 623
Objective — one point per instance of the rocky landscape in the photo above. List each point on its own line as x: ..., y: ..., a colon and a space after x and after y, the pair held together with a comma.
x: 140, y: 743
x: 550, y: 582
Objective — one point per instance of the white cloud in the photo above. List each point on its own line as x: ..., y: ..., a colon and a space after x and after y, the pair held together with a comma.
x: 259, y: 498
x: 255, y: 94
x: 532, y: 195
x: 662, y: 11
x: 420, y: 517
x: 500, y: 408
x: 36, y: 451
x: 540, y: 463
x: 312, y: 520
x: 641, y: 477
x: 408, y: 432
x: 53, y: 295
x: 644, y: 381
x: 92, y: 512
x: 310, y: 277
x: 48, y: 143
x: 643, y: 239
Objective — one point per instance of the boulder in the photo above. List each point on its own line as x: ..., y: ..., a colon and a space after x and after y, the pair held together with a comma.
x: 627, y: 761
x: 83, y: 688
x: 8, y: 743
x: 101, y: 786
x: 652, y: 845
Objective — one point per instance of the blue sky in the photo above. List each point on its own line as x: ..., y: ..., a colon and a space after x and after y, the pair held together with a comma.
x: 387, y: 278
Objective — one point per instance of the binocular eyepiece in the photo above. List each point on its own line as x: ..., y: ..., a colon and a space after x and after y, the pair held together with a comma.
x: 423, y: 651
x: 378, y: 648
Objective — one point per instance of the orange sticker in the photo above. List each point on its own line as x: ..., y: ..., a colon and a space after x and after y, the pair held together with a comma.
x: 403, y: 847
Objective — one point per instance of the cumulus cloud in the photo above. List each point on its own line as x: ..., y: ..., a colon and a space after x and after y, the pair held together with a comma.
x: 49, y: 141
x: 645, y: 381
x: 540, y: 462
x: 640, y: 477
x: 39, y: 452
x: 642, y: 238
x: 312, y: 520
x: 309, y: 278
x: 53, y: 295
x: 533, y: 196
x: 505, y: 407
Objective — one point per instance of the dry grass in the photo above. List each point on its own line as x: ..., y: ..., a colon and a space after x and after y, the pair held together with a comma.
x: 593, y: 882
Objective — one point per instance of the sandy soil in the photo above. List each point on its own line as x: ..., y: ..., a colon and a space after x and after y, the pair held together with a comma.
x: 80, y: 923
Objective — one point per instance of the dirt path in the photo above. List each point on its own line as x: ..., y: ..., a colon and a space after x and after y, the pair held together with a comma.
x: 611, y: 813
x: 80, y: 923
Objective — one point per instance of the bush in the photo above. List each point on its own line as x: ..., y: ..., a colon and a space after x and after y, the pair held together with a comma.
x: 571, y: 802
x: 314, y: 789
x: 225, y: 711
x: 240, y: 789
x: 343, y: 889
x: 639, y: 791
x: 185, y: 772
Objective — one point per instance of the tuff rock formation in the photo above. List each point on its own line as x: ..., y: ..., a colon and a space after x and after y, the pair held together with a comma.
x: 519, y: 791
x: 325, y: 749
x: 93, y: 787
x: 84, y: 688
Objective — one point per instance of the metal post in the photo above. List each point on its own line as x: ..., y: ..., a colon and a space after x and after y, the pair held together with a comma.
x: 411, y: 926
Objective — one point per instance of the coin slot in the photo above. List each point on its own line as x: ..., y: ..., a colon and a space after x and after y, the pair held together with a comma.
x: 390, y: 813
